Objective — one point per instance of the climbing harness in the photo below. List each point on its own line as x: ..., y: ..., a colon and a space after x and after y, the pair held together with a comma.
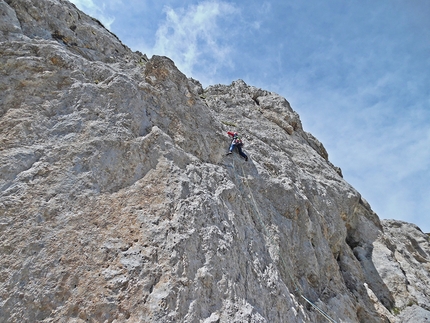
x: 266, y: 232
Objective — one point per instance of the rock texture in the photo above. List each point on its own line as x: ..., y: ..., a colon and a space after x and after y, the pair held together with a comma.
x: 401, y: 257
x: 118, y: 204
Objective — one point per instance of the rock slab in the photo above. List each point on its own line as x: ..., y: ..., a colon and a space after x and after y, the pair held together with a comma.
x: 118, y: 204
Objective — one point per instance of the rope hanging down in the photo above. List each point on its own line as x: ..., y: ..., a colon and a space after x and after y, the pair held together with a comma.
x: 266, y: 232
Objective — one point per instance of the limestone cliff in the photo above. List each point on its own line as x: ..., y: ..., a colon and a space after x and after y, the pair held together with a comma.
x: 118, y: 204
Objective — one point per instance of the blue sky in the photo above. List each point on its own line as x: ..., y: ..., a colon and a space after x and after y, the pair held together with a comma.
x: 357, y: 72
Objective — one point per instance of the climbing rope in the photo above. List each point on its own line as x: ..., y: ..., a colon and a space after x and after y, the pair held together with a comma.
x: 266, y: 232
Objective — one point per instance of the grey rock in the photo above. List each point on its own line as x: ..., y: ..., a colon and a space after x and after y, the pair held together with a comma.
x: 414, y: 314
x: 10, y: 27
x: 118, y: 204
x: 402, y: 258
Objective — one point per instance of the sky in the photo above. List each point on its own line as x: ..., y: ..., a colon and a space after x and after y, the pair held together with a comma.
x: 357, y: 73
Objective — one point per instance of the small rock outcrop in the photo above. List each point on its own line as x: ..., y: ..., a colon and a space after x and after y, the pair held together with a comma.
x: 118, y: 203
x: 401, y: 257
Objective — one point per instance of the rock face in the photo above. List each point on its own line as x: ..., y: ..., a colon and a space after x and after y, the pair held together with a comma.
x: 118, y: 203
x: 401, y: 257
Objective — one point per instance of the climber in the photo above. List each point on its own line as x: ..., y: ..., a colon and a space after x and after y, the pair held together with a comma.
x: 236, y: 142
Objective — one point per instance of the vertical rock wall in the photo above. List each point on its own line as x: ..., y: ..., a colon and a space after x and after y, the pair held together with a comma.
x: 118, y: 204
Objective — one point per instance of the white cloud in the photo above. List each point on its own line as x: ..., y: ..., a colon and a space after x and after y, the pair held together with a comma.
x: 197, y: 36
x: 96, y: 11
x: 89, y: 4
